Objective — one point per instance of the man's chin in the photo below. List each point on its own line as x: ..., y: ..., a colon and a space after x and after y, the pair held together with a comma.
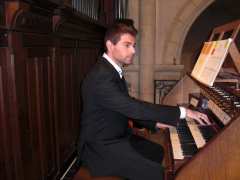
x: 128, y: 63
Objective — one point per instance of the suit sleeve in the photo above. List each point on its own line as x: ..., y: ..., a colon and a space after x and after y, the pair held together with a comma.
x: 151, y: 125
x: 109, y: 96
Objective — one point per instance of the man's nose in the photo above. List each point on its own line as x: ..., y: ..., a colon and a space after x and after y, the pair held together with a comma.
x: 133, y: 50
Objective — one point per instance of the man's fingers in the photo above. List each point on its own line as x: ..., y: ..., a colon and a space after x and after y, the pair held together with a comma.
x: 200, y: 121
x: 204, y: 119
x: 201, y: 118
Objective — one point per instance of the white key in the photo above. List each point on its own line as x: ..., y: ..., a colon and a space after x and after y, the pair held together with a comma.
x: 176, y: 146
x: 197, y: 136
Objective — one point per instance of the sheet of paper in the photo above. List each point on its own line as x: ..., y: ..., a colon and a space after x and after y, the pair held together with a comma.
x: 210, y: 61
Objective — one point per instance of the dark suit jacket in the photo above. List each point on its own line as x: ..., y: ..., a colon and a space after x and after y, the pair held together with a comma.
x: 106, y: 110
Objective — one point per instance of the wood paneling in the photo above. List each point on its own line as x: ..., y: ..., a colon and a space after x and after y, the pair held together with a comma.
x: 10, y: 154
x: 3, y: 38
x: 77, y: 45
x: 4, y: 148
x: 44, y: 55
x: 33, y: 91
x: 2, y: 21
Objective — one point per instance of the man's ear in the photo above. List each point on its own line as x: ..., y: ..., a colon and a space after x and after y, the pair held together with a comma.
x: 109, y: 45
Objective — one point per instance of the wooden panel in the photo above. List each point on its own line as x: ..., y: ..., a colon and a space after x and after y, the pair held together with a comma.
x: 3, y: 38
x: 33, y: 22
x: 9, y: 126
x: 66, y: 122
x: 45, y: 3
x: 5, y: 172
x: 35, y: 99
x: 2, y: 21
x: 42, y: 63
x: 67, y: 2
x: 34, y: 93
x: 77, y: 45
x: 40, y: 115
x: 70, y: 71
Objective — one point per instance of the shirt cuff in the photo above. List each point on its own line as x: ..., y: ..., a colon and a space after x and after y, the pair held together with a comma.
x: 183, y: 112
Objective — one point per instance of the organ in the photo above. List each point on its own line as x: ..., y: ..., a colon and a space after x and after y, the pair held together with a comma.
x: 208, y: 152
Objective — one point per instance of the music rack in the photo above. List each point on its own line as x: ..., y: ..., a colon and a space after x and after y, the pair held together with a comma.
x: 231, y: 29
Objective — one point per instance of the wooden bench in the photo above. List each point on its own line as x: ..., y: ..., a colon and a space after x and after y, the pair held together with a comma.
x: 84, y: 174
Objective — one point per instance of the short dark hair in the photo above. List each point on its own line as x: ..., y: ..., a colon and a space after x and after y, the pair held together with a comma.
x: 115, y: 32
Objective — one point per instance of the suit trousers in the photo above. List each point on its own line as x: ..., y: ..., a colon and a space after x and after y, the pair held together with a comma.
x: 134, y: 159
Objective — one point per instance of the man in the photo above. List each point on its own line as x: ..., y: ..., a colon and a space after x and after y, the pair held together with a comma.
x: 107, y: 147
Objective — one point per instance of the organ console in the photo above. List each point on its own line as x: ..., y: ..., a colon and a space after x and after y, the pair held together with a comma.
x: 213, y: 151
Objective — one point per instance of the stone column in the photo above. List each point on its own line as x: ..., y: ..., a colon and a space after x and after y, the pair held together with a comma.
x: 147, y: 26
x: 132, y: 71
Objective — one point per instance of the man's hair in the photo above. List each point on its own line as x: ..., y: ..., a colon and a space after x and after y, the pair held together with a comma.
x: 115, y: 32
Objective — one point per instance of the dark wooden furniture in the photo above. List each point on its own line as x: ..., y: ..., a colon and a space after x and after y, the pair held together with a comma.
x: 84, y: 174
x: 46, y: 48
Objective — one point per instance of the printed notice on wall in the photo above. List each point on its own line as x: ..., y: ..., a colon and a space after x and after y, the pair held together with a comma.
x: 210, y: 61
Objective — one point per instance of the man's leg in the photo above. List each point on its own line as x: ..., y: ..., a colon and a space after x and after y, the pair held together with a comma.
x: 147, y: 149
x: 133, y: 165
x: 121, y: 159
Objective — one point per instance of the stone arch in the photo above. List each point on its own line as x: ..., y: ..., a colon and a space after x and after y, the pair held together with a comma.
x: 180, y: 27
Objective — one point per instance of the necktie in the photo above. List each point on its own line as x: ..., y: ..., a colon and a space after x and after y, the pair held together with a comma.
x: 124, y: 84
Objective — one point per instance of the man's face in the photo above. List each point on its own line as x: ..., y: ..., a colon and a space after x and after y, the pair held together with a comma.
x: 122, y: 52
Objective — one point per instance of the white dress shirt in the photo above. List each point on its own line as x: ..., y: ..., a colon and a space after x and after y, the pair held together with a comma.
x: 117, y: 67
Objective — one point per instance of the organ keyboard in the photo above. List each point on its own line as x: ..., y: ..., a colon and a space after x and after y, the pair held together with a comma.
x: 188, y: 137
x: 209, y: 152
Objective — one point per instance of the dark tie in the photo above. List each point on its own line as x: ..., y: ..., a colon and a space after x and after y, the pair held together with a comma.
x: 124, y: 84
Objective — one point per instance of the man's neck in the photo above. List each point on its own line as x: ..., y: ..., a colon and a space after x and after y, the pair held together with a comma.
x: 114, y: 60
x: 114, y: 64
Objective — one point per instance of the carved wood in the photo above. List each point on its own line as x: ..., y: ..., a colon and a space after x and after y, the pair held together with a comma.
x: 36, y: 130
x: 33, y: 22
x: 43, y: 58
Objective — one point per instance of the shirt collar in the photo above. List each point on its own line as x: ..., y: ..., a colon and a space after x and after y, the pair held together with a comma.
x: 117, y: 67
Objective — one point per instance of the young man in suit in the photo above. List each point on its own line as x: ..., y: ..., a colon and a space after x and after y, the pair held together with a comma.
x: 107, y: 146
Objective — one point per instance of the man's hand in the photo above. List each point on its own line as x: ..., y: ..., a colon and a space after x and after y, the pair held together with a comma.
x: 201, y: 118
x: 162, y: 126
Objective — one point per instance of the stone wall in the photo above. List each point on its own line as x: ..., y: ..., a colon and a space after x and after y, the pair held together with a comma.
x: 163, y: 26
